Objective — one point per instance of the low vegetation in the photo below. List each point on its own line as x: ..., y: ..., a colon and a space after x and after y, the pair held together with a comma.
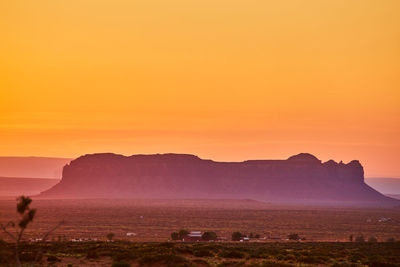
x: 122, y: 254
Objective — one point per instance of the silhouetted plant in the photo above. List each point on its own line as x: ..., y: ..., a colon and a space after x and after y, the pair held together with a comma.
x: 294, y: 236
x: 372, y: 239
x: 175, y: 236
x: 27, y: 214
x: 52, y: 258
x: 183, y: 233
x: 351, y: 238
x: 391, y: 239
x: 110, y: 236
x: 209, y: 236
x: 360, y: 239
x: 121, y: 264
x: 236, y: 236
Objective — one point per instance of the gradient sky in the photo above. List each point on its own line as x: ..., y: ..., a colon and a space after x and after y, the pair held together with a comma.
x: 223, y: 79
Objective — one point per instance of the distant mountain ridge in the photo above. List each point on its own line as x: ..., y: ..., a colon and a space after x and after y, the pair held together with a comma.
x: 302, y: 178
x: 32, y: 167
x: 24, y: 186
x: 387, y: 186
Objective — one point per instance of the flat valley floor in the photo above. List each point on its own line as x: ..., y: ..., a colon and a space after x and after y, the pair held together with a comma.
x: 155, y: 220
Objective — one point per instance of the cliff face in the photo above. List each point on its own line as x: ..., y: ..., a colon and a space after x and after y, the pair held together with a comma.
x: 300, y: 179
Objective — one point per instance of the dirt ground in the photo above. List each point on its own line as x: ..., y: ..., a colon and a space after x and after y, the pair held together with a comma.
x: 154, y: 220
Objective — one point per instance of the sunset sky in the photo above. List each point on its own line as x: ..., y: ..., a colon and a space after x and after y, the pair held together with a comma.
x: 223, y: 79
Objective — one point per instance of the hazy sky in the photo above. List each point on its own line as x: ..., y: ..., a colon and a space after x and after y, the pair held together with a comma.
x: 223, y: 79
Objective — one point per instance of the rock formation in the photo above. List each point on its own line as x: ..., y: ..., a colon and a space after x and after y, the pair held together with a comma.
x: 301, y: 179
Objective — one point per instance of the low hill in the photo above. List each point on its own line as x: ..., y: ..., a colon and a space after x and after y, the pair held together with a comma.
x: 36, y: 167
x: 11, y: 186
x: 394, y: 196
x: 387, y: 186
x: 301, y: 179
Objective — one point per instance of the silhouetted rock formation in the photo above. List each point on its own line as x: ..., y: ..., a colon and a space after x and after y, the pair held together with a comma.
x: 300, y: 179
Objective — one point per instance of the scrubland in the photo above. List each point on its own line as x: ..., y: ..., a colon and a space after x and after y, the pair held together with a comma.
x: 325, y: 230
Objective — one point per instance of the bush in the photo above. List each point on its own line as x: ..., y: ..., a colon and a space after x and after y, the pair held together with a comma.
x: 120, y: 264
x: 183, y: 233
x: 168, y: 259
x: 209, y: 236
x: 357, y: 257
x: 200, y: 262
x: 372, y: 239
x: 311, y: 259
x: 232, y: 254
x: 175, y: 236
x: 391, y: 240
x: 52, y: 258
x: 236, y: 236
x: 27, y: 256
x: 123, y: 255
x: 360, y: 239
x: 293, y: 236
x: 92, y: 254
x: 110, y: 236
x: 202, y: 252
x: 274, y: 264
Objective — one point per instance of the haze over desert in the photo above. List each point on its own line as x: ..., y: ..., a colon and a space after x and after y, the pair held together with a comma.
x: 200, y: 133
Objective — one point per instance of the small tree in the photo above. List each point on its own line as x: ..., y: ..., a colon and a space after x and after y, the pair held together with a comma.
x: 236, y: 236
x: 360, y: 239
x: 26, y: 217
x: 209, y: 236
x: 175, y: 236
x: 294, y: 236
x: 351, y: 238
x: 183, y: 233
x: 372, y: 239
x: 110, y: 236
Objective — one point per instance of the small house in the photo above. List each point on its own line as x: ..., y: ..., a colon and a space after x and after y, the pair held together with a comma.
x: 194, y: 236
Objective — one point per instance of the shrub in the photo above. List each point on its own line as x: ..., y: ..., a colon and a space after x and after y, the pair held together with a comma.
x: 360, y: 239
x: 52, y: 258
x: 175, y: 236
x: 372, y: 239
x: 344, y: 264
x: 232, y: 254
x: 200, y: 262
x: 123, y: 255
x: 120, y: 264
x: 27, y: 256
x: 168, y: 259
x: 391, y: 239
x: 202, y: 252
x: 209, y: 236
x: 274, y: 264
x: 311, y: 259
x: 293, y: 236
x: 382, y: 264
x: 236, y: 236
x: 92, y: 254
x: 183, y: 233
x: 110, y: 236
x: 183, y: 250
x: 357, y: 257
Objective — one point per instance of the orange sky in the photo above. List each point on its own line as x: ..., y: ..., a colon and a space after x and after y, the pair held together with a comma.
x: 226, y: 79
